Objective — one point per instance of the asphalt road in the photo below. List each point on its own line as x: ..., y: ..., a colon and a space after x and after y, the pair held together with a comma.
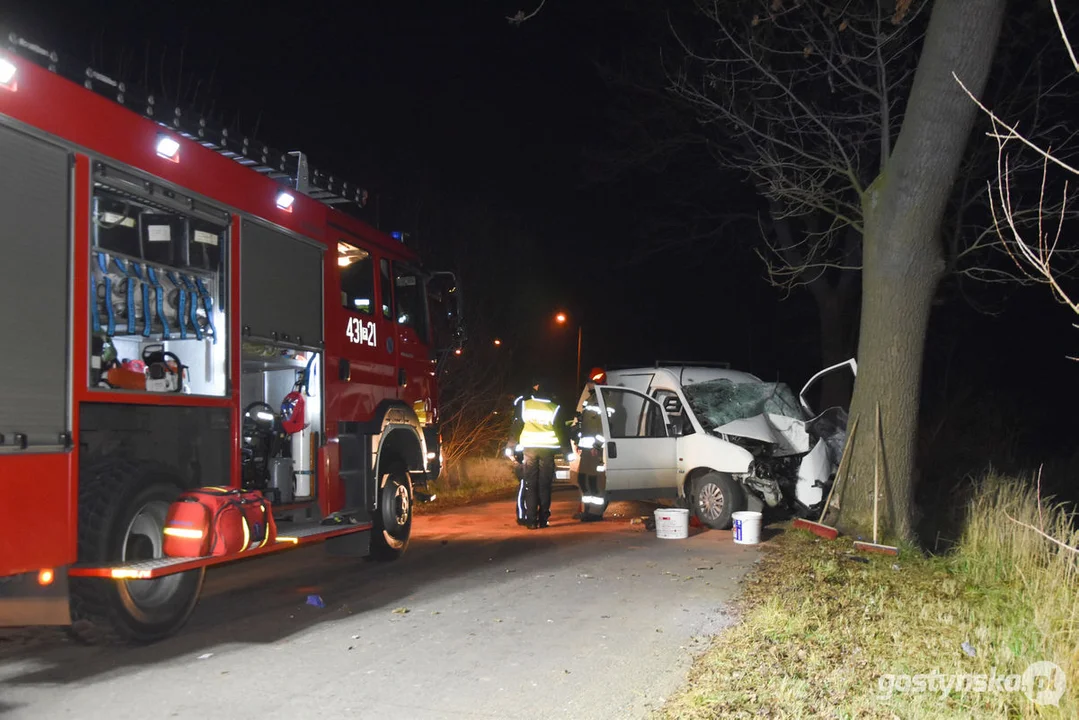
x: 597, y: 620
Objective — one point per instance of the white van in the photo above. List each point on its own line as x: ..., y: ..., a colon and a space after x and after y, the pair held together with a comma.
x: 717, y: 439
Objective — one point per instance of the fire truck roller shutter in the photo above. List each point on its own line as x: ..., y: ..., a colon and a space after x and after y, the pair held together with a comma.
x: 280, y: 286
x: 35, y: 199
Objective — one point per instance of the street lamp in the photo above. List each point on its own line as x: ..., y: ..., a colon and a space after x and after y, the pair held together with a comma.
x: 561, y: 319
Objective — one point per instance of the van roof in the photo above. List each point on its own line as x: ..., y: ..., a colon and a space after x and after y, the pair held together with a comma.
x: 683, y: 374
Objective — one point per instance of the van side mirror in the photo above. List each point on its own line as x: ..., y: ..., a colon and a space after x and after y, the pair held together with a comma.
x: 672, y: 405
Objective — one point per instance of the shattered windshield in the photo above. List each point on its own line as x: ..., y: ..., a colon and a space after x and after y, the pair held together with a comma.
x: 718, y: 402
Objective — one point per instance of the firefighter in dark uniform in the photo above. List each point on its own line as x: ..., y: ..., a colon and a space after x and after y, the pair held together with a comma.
x: 539, y: 432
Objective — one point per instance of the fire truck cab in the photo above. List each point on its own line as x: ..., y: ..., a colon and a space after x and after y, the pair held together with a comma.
x: 187, y: 308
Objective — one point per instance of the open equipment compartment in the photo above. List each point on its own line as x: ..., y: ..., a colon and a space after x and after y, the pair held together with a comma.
x: 281, y: 397
x: 159, y: 311
x: 281, y: 384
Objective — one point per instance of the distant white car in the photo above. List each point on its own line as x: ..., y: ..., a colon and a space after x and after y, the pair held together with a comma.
x: 718, y: 440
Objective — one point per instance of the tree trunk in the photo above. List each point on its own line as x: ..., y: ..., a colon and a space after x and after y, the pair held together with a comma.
x: 903, y: 262
x: 832, y: 307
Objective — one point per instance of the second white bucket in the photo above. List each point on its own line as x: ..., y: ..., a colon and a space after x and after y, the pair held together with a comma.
x: 747, y: 527
x: 672, y: 523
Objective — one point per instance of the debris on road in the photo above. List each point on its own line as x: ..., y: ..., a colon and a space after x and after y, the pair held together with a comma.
x: 584, y: 575
x: 206, y: 656
x: 315, y: 601
x: 401, y: 611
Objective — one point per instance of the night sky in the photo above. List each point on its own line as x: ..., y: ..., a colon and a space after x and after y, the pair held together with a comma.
x: 454, y: 118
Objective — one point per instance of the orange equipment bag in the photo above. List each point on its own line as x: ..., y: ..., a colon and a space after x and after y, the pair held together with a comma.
x: 218, y: 521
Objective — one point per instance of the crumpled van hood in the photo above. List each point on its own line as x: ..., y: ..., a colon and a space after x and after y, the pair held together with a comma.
x: 788, y: 434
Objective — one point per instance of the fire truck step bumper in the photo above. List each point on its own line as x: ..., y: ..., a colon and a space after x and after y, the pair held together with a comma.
x: 288, y: 537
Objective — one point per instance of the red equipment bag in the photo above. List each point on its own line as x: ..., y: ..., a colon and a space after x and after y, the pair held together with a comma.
x: 218, y: 521
x: 259, y: 516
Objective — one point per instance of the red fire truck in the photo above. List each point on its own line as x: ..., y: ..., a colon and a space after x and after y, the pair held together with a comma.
x: 173, y: 296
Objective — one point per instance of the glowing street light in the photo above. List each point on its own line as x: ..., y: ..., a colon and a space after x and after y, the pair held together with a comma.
x: 498, y: 343
x: 561, y: 318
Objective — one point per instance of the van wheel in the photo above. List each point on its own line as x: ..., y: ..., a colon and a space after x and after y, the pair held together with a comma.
x: 715, y: 498
x: 393, y: 520
x: 122, y: 510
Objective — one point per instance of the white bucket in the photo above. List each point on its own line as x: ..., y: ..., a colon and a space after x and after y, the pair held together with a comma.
x: 672, y: 523
x: 747, y: 527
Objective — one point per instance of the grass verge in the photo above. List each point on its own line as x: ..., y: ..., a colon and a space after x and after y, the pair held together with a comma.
x: 473, y: 479
x: 827, y: 632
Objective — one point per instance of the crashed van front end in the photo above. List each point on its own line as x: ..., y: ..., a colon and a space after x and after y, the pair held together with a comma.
x: 795, y: 455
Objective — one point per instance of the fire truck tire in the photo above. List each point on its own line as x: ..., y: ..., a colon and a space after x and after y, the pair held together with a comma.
x: 715, y: 497
x: 393, y: 520
x: 122, y: 507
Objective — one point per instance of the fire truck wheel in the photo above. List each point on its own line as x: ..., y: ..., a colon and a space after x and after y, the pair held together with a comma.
x: 715, y: 498
x: 122, y: 509
x: 393, y: 521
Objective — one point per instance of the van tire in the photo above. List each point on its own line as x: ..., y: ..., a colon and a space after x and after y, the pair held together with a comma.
x: 714, y: 498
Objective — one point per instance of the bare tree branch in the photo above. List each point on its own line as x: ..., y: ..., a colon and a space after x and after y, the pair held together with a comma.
x: 521, y: 17
x: 1064, y: 35
x: 1032, y: 233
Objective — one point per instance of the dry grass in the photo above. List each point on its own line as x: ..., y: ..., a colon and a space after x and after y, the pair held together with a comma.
x: 469, y: 480
x: 820, y: 628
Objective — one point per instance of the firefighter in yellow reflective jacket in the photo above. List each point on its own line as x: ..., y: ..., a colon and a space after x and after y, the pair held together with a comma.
x: 539, y: 433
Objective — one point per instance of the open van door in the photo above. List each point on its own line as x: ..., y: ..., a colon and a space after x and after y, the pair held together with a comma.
x: 639, y: 451
x: 838, y: 367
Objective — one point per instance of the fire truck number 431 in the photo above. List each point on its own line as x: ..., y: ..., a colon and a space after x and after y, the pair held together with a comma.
x: 361, y: 333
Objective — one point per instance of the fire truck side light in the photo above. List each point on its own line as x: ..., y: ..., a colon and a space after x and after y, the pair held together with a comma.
x: 430, y: 456
x: 284, y: 201
x: 45, y: 576
x: 286, y: 538
x: 7, y: 74
x: 168, y: 148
